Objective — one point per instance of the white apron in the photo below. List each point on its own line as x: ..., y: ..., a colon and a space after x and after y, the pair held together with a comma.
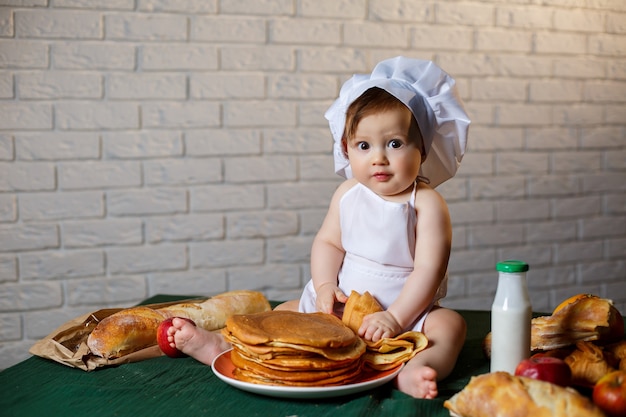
x: 379, y: 239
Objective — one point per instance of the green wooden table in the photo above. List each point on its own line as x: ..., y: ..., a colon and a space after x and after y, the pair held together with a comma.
x: 169, y: 387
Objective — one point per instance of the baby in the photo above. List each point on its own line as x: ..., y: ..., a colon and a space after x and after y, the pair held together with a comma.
x: 399, y: 132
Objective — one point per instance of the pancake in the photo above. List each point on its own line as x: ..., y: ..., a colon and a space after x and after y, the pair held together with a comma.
x: 254, y: 378
x: 293, y: 349
x: 256, y: 372
x: 388, y: 353
x: 313, y: 349
x: 318, y: 330
x: 357, y: 307
x: 273, y: 350
x: 308, y: 361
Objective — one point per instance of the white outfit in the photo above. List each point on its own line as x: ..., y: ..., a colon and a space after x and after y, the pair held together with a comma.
x: 379, y: 239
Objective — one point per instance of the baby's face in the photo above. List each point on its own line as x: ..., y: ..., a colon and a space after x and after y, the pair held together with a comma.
x: 384, y: 153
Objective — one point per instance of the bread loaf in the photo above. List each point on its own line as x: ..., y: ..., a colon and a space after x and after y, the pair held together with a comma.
x: 135, y: 328
x: 502, y: 394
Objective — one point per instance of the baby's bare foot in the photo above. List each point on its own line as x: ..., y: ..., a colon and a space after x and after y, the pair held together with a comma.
x: 418, y: 381
x: 196, y: 342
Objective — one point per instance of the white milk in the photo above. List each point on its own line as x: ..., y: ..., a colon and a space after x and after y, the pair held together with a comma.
x: 511, y: 315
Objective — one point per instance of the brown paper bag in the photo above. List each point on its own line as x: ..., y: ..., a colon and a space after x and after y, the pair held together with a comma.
x: 68, y: 343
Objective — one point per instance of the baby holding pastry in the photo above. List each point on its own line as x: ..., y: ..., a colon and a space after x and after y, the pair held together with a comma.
x: 398, y: 133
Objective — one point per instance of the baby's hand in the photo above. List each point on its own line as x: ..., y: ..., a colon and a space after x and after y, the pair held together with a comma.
x: 379, y: 325
x: 327, y: 294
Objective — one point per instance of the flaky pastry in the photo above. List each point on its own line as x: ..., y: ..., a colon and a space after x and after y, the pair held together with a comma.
x: 587, y: 318
x: 500, y: 394
x: 587, y: 363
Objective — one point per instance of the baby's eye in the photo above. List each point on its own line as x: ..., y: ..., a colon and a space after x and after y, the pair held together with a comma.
x: 395, y: 143
x: 363, y: 146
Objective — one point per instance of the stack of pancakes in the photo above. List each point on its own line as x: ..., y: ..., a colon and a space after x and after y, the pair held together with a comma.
x: 295, y: 349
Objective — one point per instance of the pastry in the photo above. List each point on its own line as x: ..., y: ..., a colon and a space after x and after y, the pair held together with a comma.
x: 500, y: 394
x: 588, y: 364
x: 585, y: 318
x: 133, y: 329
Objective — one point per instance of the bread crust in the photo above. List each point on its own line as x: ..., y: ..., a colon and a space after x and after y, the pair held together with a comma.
x: 133, y: 329
x: 502, y: 394
x: 120, y: 334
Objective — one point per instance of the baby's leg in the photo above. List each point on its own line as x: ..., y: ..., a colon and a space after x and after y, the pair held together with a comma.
x: 200, y: 344
x: 445, y: 330
x: 291, y: 305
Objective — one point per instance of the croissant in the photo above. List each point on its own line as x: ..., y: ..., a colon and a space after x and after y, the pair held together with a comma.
x: 586, y: 318
x: 618, y: 349
x: 587, y: 364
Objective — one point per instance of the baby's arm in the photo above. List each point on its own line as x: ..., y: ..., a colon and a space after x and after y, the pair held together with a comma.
x: 327, y: 255
x: 432, y: 252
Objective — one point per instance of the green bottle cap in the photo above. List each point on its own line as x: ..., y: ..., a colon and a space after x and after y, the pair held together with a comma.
x: 512, y: 266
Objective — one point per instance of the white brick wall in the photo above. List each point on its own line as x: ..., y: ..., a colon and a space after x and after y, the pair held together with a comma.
x: 155, y: 146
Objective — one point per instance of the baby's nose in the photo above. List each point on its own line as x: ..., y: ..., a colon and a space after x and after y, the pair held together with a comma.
x: 379, y: 156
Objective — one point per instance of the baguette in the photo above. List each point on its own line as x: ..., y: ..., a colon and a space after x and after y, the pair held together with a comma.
x: 500, y: 394
x: 133, y: 329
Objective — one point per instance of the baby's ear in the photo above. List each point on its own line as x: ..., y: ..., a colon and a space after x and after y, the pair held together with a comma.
x: 344, y: 146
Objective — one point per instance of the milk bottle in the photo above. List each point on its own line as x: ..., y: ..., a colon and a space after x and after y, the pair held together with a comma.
x: 511, y: 314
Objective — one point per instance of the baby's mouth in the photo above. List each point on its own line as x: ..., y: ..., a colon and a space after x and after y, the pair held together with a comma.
x: 381, y: 176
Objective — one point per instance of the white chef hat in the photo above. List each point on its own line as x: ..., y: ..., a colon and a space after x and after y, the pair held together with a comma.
x: 430, y: 94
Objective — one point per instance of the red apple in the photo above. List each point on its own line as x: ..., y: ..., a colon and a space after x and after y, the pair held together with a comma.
x: 609, y: 393
x: 162, y: 341
x: 545, y: 368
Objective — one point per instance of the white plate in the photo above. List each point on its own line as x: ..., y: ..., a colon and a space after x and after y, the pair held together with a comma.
x: 223, y: 368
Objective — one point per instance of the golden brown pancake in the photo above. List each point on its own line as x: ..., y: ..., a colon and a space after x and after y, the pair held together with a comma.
x: 291, y: 348
x: 357, y: 307
x: 313, y: 349
x: 255, y: 372
x: 310, y: 329
x: 309, y: 361
x: 388, y: 353
x: 274, y: 350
